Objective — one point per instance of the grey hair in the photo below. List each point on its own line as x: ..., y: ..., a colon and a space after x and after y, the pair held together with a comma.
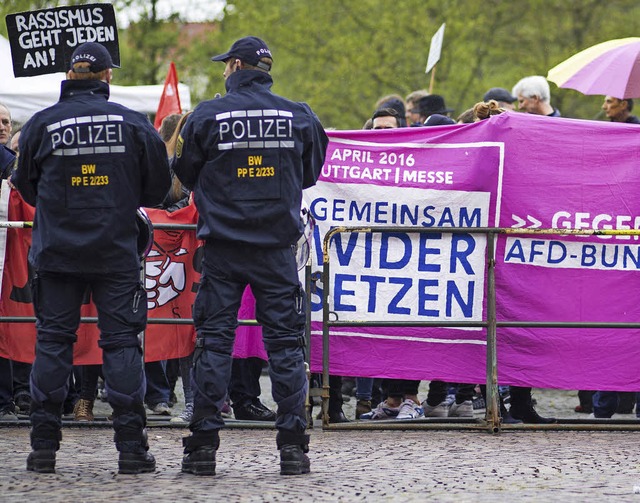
x: 534, y: 85
x: 2, y: 105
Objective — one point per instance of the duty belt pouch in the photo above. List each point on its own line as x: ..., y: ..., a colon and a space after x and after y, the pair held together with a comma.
x: 198, y: 349
x: 35, y: 288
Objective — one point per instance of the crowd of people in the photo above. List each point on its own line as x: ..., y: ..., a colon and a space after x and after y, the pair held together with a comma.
x: 190, y: 158
x: 398, y: 399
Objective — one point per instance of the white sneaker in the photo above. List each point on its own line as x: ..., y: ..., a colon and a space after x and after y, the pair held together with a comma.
x: 160, y: 409
x: 440, y: 410
x: 8, y: 415
x: 382, y: 411
x: 464, y: 409
x: 186, y: 415
x: 410, y: 410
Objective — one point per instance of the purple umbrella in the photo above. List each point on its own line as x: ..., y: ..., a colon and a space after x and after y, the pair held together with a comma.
x: 610, y: 68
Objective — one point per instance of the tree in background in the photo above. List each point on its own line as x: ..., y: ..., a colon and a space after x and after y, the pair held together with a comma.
x: 342, y: 55
x: 145, y: 43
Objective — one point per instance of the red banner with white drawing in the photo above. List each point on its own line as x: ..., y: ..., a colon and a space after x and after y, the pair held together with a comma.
x: 172, y: 274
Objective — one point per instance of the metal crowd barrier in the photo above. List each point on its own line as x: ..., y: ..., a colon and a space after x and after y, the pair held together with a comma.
x: 101, y: 422
x: 491, y: 422
x: 93, y: 319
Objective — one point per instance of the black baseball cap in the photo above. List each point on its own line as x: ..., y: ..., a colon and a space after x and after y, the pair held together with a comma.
x: 247, y: 49
x: 499, y: 94
x: 93, y: 53
x: 438, y: 120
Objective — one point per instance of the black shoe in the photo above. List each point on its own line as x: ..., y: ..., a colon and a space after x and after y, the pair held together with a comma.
x: 506, y: 418
x: 67, y: 408
x: 338, y: 417
x: 136, y: 462
x: 23, y: 403
x: 530, y: 416
x: 253, y: 411
x: 201, y: 461
x: 293, y: 461
x: 42, y: 461
x: 268, y: 412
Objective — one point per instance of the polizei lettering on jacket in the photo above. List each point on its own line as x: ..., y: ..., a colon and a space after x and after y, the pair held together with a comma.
x: 255, y: 129
x: 89, y: 134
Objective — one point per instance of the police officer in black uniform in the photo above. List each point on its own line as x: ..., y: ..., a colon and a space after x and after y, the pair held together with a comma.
x: 247, y: 156
x: 87, y: 164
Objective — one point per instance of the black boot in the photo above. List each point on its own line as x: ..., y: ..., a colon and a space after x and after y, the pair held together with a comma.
x: 530, y: 416
x: 141, y: 461
x: 293, y: 448
x: 522, y: 407
x: 42, y: 461
x: 335, y: 400
x: 201, y: 461
x: 45, y: 437
x: 132, y: 441
x: 293, y: 461
x: 200, y: 454
x: 506, y: 417
x: 337, y: 416
x: 134, y: 452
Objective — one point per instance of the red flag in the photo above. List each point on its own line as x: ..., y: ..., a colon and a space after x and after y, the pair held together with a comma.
x: 170, y: 100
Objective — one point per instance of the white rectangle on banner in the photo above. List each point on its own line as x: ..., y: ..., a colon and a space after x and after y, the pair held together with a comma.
x: 556, y: 254
x: 404, y: 276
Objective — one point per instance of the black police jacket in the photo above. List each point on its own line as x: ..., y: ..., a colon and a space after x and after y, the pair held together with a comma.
x: 247, y: 156
x: 87, y: 164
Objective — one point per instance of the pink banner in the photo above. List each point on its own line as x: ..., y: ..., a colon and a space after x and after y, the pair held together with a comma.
x: 514, y: 170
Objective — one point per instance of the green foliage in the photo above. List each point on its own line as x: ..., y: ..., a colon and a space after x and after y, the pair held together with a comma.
x: 340, y: 56
x: 143, y: 48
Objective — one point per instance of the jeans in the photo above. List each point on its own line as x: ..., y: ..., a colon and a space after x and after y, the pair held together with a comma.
x: 364, y: 388
x: 605, y: 403
x: 157, y: 383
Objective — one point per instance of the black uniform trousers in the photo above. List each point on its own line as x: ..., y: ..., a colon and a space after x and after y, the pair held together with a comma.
x: 228, y: 267
x: 122, y: 313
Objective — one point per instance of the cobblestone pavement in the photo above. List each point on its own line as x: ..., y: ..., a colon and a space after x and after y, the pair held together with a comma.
x: 398, y: 465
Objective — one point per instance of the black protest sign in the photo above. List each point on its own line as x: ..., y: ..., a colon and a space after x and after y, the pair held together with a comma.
x: 42, y: 41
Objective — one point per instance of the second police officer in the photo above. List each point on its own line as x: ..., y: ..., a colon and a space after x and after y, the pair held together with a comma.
x: 247, y: 156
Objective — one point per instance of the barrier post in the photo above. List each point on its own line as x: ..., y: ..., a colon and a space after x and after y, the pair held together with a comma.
x: 307, y: 340
x: 326, y: 295
x: 492, y: 404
